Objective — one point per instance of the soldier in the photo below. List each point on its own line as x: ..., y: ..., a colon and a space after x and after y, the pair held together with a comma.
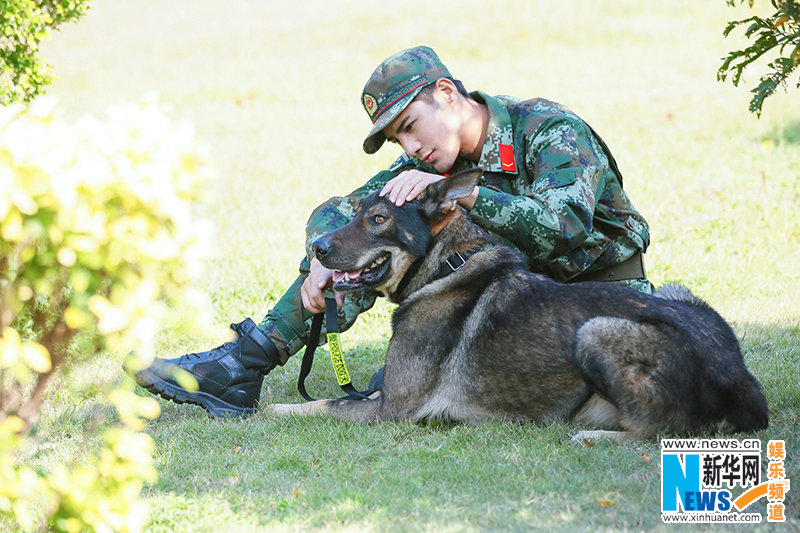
x: 551, y: 189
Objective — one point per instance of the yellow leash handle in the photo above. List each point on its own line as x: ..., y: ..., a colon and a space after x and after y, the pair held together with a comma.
x: 339, y: 368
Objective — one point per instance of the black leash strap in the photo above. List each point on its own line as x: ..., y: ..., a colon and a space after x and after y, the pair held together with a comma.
x: 339, y: 367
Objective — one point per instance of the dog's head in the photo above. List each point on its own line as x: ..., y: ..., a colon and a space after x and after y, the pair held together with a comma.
x: 378, y: 246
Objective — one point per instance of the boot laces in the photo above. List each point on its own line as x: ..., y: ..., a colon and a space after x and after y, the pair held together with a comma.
x: 210, y: 354
x: 238, y: 328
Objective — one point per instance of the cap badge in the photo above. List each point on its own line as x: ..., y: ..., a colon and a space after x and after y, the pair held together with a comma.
x: 370, y: 104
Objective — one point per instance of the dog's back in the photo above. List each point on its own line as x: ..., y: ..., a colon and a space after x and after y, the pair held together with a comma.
x: 521, y: 345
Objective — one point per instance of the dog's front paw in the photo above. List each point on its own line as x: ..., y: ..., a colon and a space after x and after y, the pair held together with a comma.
x: 298, y: 409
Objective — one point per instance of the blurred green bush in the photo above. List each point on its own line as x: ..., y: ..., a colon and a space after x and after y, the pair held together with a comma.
x: 96, y: 234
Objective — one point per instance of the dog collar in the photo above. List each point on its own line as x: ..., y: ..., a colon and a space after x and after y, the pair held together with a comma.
x: 457, y: 260
x: 452, y: 263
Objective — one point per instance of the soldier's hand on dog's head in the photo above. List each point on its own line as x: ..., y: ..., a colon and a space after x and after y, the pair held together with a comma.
x: 407, y: 185
x: 318, y: 279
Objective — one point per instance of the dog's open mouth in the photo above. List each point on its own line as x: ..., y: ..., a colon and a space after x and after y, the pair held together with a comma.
x: 370, y: 276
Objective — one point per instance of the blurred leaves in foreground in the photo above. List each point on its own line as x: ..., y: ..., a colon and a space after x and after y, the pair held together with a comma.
x: 97, y: 238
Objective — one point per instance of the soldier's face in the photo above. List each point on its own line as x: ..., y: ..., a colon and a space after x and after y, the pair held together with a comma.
x: 428, y: 131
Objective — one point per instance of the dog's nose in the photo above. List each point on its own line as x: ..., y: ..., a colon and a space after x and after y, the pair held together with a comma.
x: 321, y: 247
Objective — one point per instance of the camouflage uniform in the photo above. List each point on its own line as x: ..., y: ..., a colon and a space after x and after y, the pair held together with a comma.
x: 550, y: 189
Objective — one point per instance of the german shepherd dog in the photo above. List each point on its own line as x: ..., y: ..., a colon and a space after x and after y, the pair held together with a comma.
x: 492, y: 339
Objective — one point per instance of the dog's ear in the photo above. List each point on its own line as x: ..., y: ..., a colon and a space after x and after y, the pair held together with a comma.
x: 357, y: 204
x: 443, y: 195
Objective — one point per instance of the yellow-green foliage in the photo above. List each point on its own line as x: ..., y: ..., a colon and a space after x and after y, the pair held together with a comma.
x: 101, y: 495
x: 97, y: 233
x: 23, y: 25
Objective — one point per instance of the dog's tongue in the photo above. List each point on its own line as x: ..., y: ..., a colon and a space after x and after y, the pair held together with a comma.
x: 339, y: 276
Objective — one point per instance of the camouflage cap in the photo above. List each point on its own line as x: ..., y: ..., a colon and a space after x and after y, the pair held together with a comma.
x: 393, y: 86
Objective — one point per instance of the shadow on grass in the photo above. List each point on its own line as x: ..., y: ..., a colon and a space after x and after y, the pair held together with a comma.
x: 772, y: 354
x: 328, y: 474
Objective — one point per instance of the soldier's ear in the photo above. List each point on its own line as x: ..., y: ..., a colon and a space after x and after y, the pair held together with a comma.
x: 443, y: 195
x: 447, y: 90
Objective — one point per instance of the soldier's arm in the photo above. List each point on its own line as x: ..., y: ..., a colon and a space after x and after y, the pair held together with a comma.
x: 555, y: 214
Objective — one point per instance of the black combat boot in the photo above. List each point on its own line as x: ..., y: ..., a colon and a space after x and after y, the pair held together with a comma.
x: 229, y: 376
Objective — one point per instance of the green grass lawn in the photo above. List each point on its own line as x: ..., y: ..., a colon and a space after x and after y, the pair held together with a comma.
x: 273, y: 90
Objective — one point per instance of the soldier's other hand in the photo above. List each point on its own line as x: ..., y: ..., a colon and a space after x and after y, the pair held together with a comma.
x: 408, y: 185
x: 318, y: 279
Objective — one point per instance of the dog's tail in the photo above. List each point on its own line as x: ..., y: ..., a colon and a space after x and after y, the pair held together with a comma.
x: 679, y: 293
x: 739, y: 402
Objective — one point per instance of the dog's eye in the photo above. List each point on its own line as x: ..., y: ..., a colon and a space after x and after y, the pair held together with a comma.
x: 379, y: 219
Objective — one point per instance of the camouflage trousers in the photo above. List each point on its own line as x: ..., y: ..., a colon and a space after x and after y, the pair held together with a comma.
x: 288, y: 324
